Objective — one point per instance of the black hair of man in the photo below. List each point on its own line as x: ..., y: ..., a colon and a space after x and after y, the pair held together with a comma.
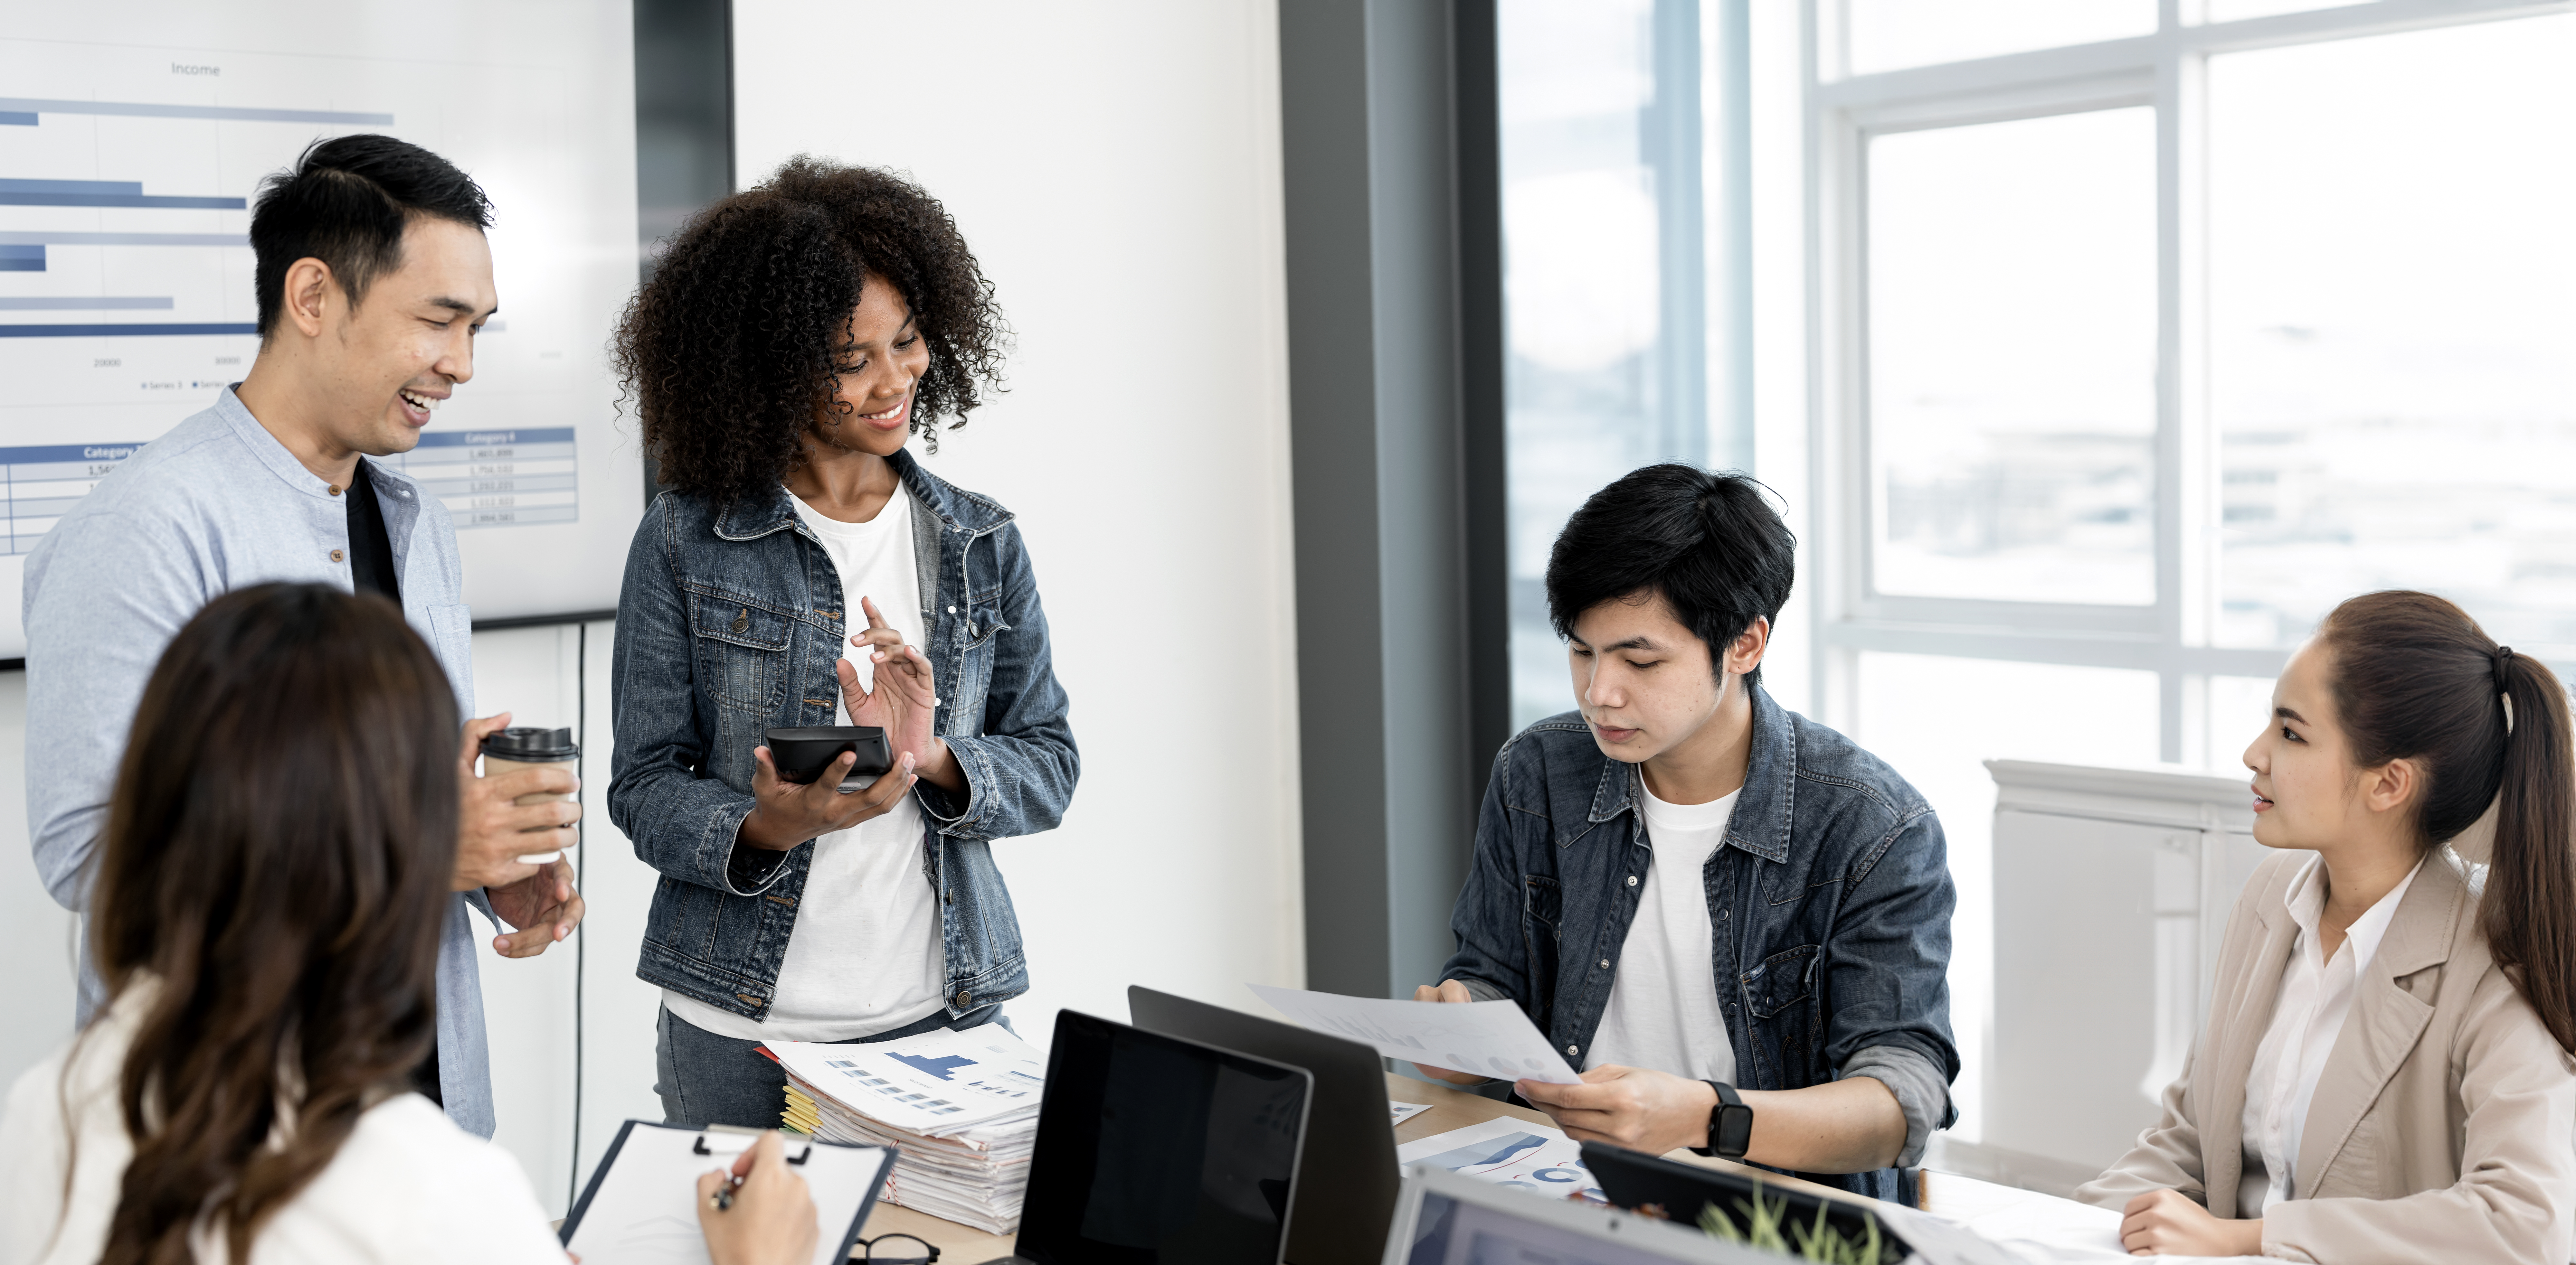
x: 346, y: 202
x: 1709, y: 544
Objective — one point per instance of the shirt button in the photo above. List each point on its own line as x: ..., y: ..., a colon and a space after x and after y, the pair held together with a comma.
x: 952, y: 610
x: 335, y: 489
x: 335, y: 557
x: 1569, y: 1049
x: 1632, y: 880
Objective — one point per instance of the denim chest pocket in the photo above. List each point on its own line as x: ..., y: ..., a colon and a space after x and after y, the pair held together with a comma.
x: 742, y: 651
x: 1782, y: 981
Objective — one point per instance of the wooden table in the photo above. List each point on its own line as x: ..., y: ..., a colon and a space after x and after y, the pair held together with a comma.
x: 1450, y: 1109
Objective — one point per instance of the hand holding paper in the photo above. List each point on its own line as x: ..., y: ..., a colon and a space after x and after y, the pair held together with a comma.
x: 1491, y: 1038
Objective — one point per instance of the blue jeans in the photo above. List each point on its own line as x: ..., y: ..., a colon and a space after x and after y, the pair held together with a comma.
x: 706, y: 1079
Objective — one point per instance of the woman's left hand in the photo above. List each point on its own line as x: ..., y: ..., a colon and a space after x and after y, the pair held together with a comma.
x: 2168, y: 1223
x: 904, y: 700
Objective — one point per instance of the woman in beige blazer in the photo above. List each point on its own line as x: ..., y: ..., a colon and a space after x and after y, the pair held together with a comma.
x: 2384, y: 1073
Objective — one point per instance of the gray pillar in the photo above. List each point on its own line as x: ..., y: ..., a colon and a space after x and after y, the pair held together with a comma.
x: 1382, y: 457
x: 683, y: 126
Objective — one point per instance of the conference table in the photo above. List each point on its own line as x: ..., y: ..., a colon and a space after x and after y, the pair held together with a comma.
x: 2033, y: 1226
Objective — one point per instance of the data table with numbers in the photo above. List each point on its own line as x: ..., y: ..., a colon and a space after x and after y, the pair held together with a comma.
x: 486, y: 478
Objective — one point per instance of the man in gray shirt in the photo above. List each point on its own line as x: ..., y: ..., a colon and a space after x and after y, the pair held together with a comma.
x: 372, y: 276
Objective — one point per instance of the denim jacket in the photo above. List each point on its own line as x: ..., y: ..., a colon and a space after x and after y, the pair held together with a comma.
x: 1830, y: 902
x: 729, y: 623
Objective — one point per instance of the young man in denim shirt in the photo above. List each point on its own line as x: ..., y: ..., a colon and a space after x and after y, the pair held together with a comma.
x: 1690, y: 889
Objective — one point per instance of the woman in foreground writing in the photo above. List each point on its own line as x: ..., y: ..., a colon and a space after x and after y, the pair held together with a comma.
x: 266, y: 913
x: 2384, y: 1072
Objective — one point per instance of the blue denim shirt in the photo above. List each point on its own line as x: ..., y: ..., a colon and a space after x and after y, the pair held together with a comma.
x: 730, y: 622
x: 1830, y: 901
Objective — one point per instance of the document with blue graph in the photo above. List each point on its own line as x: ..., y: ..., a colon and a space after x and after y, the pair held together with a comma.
x: 1508, y: 1152
x: 938, y: 1082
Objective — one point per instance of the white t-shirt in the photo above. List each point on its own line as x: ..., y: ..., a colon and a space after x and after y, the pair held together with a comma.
x: 1663, y: 1002
x: 865, y: 956
x: 407, y: 1186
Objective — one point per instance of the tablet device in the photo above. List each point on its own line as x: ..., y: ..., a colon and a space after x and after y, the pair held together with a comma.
x: 642, y: 1201
x: 1656, y: 1186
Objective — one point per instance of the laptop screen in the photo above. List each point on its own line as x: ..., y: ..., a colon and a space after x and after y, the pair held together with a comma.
x: 1155, y: 1149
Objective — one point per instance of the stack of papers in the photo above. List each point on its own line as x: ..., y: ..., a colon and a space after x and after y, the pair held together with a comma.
x: 959, y: 1108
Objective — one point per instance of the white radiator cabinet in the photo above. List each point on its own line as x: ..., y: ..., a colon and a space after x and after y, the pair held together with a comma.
x: 2111, y: 890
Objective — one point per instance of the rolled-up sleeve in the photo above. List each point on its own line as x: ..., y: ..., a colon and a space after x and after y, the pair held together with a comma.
x: 1922, y: 1092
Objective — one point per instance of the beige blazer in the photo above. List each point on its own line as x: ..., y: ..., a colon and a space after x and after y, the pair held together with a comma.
x: 2443, y: 1126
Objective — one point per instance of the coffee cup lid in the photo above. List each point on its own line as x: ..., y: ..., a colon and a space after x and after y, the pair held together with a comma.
x: 532, y: 744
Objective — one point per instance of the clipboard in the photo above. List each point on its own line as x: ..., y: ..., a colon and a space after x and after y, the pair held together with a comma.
x: 641, y: 1207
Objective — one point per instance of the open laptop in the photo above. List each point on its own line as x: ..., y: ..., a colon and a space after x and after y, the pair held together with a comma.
x: 1161, y: 1151
x: 1342, y: 1207
x: 1442, y: 1218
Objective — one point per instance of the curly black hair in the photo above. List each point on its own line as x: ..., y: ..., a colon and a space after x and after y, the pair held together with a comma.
x: 728, y: 352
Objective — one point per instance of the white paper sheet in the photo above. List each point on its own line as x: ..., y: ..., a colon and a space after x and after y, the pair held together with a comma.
x: 1403, y: 1111
x: 645, y: 1211
x: 939, y: 1082
x: 1508, y: 1152
x: 1490, y: 1038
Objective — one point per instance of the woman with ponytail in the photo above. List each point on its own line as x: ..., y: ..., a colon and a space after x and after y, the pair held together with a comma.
x: 267, y: 914
x: 2385, y: 1070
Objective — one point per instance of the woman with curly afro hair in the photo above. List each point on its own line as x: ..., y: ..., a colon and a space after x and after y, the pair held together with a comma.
x: 790, y: 342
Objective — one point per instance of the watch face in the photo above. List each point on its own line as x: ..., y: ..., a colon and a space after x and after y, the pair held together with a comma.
x: 1734, y: 1130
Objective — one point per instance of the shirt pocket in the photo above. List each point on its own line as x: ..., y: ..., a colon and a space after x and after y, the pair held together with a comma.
x: 742, y: 652
x: 1781, y: 982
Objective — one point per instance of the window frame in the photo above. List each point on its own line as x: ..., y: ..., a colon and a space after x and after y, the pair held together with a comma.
x: 2167, y: 71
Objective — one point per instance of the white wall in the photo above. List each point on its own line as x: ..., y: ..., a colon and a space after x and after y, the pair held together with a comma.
x: 1115, y: 166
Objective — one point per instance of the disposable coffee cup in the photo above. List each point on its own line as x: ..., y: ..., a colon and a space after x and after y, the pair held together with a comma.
x: 511, y: 750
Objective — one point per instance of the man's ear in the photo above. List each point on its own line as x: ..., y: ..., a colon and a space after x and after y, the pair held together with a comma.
x: 1745, y: 653
x: 308, y: 293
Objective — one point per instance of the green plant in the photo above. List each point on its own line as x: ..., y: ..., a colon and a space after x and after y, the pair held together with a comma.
x: 1824, y: 1243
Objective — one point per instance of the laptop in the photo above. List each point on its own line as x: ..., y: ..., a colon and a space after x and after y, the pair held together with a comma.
x: 1442, y: 1218
x: 1342, y: 1207
x: 1160, y: 1151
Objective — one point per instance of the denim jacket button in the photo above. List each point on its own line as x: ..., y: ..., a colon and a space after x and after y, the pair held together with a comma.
x: 963, y: 999
x: 1605, y: 964
x: 1569, y: 1049
x: 1632, y: 880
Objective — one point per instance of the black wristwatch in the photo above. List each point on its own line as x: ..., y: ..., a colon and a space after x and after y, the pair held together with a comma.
x: 1730, y: 1124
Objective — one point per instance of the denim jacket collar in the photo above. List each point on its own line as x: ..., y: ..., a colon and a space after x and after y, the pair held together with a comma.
x: 1760, y: 822
x: 752, y: 517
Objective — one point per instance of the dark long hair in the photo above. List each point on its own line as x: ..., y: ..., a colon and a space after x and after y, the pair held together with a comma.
x: 277, y: 862
x: 2416, y: 678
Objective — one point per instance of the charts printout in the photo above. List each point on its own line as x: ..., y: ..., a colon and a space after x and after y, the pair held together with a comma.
x: 1491, y: 1038
x: 1508, y: 1152
x: 133, y: 139
x: 940, y: 1082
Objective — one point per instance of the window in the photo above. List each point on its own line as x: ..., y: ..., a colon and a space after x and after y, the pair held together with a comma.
x: 1613, y: 351
x: 2145, y: 333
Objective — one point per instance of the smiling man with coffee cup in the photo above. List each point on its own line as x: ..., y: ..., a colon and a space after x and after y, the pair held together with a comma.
x: 372, y: 276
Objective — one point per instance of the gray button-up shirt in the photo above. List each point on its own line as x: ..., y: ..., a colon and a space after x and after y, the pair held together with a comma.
x: 215, y: 505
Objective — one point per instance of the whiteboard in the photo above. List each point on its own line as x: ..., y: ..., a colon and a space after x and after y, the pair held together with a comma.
x: 126, y: 170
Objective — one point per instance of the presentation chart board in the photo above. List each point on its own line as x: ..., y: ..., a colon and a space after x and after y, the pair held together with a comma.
x: 127, y: 173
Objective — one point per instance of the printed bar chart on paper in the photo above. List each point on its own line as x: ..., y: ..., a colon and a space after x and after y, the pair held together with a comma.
x: 937, y: 1082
